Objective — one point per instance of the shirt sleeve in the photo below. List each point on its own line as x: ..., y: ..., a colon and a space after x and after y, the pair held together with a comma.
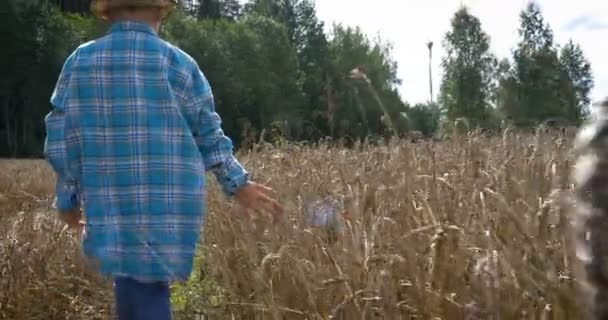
x: 61, y: 143
x: 215, y: 147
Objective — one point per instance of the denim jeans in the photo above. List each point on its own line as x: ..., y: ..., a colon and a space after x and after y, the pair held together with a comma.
x: 141, y: 301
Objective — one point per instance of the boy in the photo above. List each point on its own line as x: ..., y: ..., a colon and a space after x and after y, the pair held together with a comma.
x: 132, y: 131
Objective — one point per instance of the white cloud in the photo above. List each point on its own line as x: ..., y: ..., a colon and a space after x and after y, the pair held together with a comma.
x: 586, y: 22
x: 409, y: 25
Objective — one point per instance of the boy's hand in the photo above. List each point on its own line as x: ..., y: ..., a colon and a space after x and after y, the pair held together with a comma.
x: 256, y: 197
x: 72, y: 218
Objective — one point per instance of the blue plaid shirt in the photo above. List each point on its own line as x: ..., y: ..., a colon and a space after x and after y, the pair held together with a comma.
x: 132, y: 131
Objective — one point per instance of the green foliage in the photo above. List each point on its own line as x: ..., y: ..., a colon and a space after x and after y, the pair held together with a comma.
x: 577, y: 82
x: 537, y: 70
x: 267, y: 62
x: 217, y: 9
x: 541, y: 85
x: 361, y: 99
x: 271, y: 62
x: 250, y: 64
x: 314, y: 60
x: 37, y: 39
x: 199, y: 293
x: 423, y: 118
x: 469, y: 70
x: 544, y: 84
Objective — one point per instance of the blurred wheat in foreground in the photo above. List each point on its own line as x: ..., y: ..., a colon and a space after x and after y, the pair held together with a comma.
x: 472, y: 227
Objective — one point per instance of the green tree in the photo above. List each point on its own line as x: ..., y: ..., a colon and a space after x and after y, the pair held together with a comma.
x: 273, y: 9
x: 314, y: 60
x: 209, y: 9
x: 362, y: 90
x: 250, y: 65
x: 231, y: 9
x: 306, y: 34
x: 218, y: 9
x: 469, y: 70
x: 506, y: 101
x: 271, y: 68
x: 298, y: 16
x: 534, y: 86
x: 280, y: 96
x: 423, y: 118
x: 577, y: 82
x: 37, y: 39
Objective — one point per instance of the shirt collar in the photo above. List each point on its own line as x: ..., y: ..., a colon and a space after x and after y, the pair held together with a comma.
x: 132, y: 26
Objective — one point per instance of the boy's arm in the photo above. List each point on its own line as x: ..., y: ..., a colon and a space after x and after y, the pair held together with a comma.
x: 61, y: 145
x: 217, y: 153
x: 215, y: 147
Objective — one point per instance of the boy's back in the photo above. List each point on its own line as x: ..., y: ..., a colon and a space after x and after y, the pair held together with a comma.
x: 134, y: 128
x: 132, y: 131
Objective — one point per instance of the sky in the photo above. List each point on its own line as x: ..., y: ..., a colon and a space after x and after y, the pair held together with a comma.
x: 409, y: 25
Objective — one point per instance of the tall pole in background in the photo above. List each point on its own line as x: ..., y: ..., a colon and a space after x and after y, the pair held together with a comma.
x: 430, y: 46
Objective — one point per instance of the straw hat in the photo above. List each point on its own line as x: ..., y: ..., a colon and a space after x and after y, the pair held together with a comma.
x: 100, y: 8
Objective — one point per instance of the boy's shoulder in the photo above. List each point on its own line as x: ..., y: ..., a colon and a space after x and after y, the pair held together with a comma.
x: 168, y: 48
x: 84, y: 47
x: 180, y: 56
x: 177, y: 59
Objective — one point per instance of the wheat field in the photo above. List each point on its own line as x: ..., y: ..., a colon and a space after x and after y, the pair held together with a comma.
x: 470, y: 227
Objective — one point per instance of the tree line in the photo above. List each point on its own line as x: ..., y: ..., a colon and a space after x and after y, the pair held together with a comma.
x: 278, y: 75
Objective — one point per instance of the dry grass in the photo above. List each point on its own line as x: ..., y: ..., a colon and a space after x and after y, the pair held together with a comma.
x: 471, y: 227
x: 41, y: 273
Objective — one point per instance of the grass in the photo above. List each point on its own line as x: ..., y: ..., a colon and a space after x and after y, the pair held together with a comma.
x: 472, y: 227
